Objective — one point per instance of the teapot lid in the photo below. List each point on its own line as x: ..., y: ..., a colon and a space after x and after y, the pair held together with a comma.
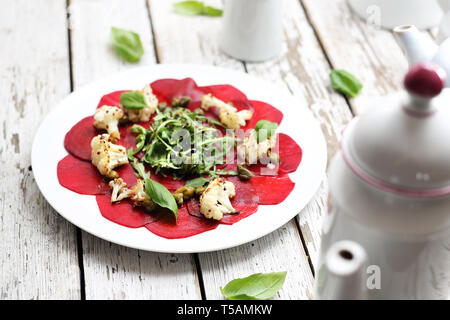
x: 402, y: 145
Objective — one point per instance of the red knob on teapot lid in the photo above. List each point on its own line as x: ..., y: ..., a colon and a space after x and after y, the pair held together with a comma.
x: 425, y: 79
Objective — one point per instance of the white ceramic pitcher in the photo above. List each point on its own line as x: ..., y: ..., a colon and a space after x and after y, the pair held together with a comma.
x: 252, y: 29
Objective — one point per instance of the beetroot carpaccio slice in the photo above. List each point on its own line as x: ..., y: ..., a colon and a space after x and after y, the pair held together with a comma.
x: 167, y: 89
x: 124, y: 213
x: 78, y: 140
x: 76, y: 173
x: 290, y: 154
x: 82, y: 177
x: 245, y: 202
x: 185, y: 226
x: 111, y: 99
x: 272, y: 190
x: 263, y: 111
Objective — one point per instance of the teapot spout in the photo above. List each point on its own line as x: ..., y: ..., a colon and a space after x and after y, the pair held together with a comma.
x: 417, y: 46
x: 342, y: 276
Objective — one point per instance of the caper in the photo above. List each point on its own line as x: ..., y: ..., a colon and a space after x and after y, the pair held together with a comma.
x: 244, y: 173
x: 178, y: 198
x: 199, y: 111
x: 199, y: 190
x: 187, y: 192
x: 162, y: 106
x: 181, y: 102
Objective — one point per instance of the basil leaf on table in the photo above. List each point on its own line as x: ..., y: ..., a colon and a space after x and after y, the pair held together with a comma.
x: 127, y: 43
x: 133, y: 100
x: 266, y: 125
x: 197, y: 182
x: 212, y: 12
x: 161, y: 196
x: 258, y: 286
x: 196, y: 8
x: 345, y: 83
x: 189, y: 8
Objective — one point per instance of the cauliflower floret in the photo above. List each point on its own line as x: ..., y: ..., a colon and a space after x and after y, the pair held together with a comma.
x: 228, y: 114
x: 143, y: 115
x: 107, y: 117
x: 250, y: 151
x: 215, y: 200
x: 119, y: 190
x: 106, y: 155
x: 140, y: 197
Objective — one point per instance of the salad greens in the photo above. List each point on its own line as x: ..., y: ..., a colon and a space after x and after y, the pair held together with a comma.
x: 197, y: 182
x: 127, y: 43
x: 181, y: 143
x: 258, y: 286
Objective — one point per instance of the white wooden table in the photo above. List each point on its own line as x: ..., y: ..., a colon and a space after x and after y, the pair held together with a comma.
x: 50, y: 47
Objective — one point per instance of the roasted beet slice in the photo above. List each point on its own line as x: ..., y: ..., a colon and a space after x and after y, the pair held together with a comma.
x: 167, y: 89
x: 168, y: 182
x: 111, y: 99
x: 263, y: 111
x: 186, y: 225
x: 290, y: 154
x: 272, y: 190
x: 83, y: 177
x: 245, y: 202
x: 80, y: 176
x: 78, y: 140
x: 124, y: 213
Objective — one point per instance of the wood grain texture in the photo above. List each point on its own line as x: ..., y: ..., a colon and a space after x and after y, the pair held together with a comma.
x: 303, y: 69
x: 370, y: 53
x: 38, y: 254
x: 280, y: 250
x: 113, y: 271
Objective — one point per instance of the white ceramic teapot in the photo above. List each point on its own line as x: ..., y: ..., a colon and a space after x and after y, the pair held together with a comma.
x: 421, y: 48
x: 387, y: 231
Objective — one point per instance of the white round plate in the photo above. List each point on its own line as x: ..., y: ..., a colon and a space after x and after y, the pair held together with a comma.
x: 82, y: 210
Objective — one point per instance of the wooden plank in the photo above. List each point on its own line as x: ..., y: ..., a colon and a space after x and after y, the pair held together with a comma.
x: 194, y: 40
x: 303, y: 69
x: 38, y: 251
x: 112, y: 271
x: 370, y: 53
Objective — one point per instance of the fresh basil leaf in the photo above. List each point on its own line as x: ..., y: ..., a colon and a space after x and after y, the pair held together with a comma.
x: 189, y: 8
x: 345, y: 83
x: 197, y: 182
x: 161, y: 196
x: 133, y: 100
x: 212, y: 12
x: 258, y: 286
x: 267, y: 126
x: 127, y: 43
